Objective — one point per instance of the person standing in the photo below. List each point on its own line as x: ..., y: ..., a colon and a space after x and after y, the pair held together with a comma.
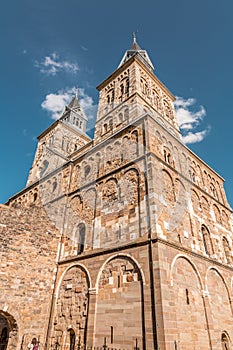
x: 33, y: 345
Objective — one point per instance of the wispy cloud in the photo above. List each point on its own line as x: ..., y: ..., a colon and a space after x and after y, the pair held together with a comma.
x: 52, y: 64
x: 189, y: 116
x: 84, y: 48
x: 54, y: 103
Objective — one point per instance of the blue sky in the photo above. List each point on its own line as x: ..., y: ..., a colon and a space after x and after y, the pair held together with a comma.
x: 49, y: 47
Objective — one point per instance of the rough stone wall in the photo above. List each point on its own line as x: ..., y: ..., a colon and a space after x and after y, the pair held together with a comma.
x: 28, y: 245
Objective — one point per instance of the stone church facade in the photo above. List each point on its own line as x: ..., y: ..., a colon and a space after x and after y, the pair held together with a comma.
x: 123, y: 241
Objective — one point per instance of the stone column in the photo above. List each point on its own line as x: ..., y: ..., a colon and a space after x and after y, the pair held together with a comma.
x: 91, y: 317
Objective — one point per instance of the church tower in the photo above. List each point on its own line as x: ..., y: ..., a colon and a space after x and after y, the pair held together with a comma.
x: 132, y: 242
x: 59, y: 141
x: 129, y: 92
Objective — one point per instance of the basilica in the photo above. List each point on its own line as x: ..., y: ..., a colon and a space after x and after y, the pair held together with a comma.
x: 121, y: 241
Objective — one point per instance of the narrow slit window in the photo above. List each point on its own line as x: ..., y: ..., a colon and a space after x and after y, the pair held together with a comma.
x: 187, y: 296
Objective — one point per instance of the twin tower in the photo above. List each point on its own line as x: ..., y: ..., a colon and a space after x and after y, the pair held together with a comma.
x: 123, y: 241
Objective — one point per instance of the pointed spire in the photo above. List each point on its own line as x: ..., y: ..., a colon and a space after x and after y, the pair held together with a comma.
x: 74, y: 103
x: 73, y: 114
x: 135, y: 46
x: 134, y: 50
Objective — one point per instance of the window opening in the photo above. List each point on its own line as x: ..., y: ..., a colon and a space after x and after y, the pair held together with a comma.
x: 105, y: 128
x: 111, y: 337
x: 35, y: 197
x: 81, y: 240
x: 87, y: 170
x: 187, y: 296
x: 206, y: 240
x: 225, y: 342
x: 72, y: 339
x: 118, y: 281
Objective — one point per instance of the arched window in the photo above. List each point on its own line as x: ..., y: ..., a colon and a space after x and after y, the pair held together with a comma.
x: 195, y: 201
x: 87, y: 170
x: 167, y: 156
x: 120, y: 118
x: 44, y: 167
x: 167, y: 108
x: 122, y: 89
x: 155, y: 98
x: 217, y: 213
x: 110, y: 124
x: 205, y: 206
x: 105, y: 128
x: 227, y: 251
x: 192, y: 174
x: 72, y: 339
x: 126, y: 114
x: 54, y: 186
x: 206, y: 240
x: 35, y: 196
x: 225, y: 219
x: 213, y: 191
x: 81, y: 238
x: 169, y: 191
x: 127, y: 86
x: 225, y: 342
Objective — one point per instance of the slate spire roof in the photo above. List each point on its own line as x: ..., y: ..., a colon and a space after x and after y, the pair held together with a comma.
x: 134, y: 50
x: 74, y: 115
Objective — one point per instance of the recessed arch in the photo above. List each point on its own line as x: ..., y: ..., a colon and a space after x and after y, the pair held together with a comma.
x: 220, y: 275
x: 120, y: 294
x: 71, y: 307
x: 180, y: 256
x: 120, y: 256
x: 80, y: 265
x: 186, y: 293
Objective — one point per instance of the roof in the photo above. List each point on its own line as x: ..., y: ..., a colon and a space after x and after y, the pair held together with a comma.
x: 134, y: 50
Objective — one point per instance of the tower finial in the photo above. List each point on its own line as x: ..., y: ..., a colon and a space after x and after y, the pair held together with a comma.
x: 76, y: 92
x: 134, y: 38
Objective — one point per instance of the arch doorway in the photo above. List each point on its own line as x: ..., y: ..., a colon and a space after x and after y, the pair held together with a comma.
x: 8, y: 331
x: 4, y: 333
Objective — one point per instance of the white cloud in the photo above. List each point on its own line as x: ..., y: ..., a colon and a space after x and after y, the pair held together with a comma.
x: 189, y: 116
x: 54, y: 104
x: 52, y: 64
x: 194, y: 137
